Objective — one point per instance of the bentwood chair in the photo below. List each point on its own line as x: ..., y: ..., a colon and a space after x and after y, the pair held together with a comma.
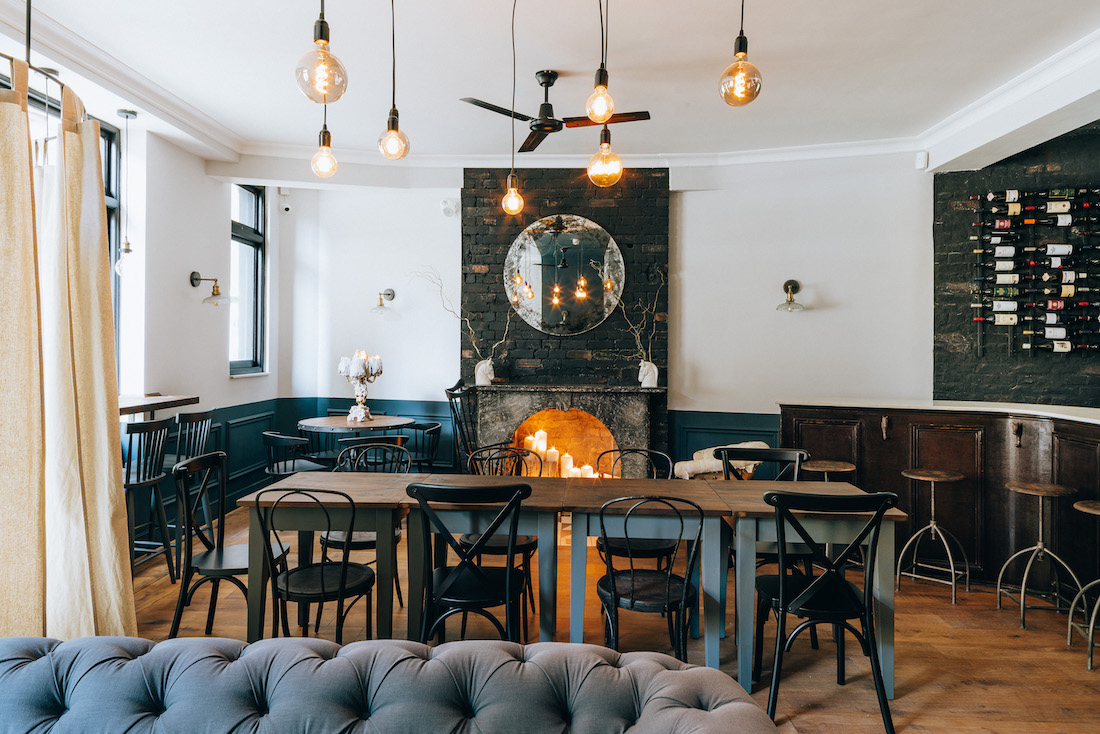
x: 314, y: 583
x: 642, y: 463
x: 144, y: 443
x: 285, y: 455
x: 195, y: 480
x: 828, y: 598
x: 423, y: 444
x: 460, y: 398
x: 647, y: 590
x: 467, y: 586
x: 192, y: 437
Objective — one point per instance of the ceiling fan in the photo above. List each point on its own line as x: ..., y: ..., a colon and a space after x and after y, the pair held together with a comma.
x: 546, y: 123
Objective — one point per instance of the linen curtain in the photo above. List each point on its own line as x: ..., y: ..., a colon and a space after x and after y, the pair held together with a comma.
x: 64, y: 564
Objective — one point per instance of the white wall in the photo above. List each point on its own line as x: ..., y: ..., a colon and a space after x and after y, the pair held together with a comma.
x: 856, y: 233
x: 371, y: 239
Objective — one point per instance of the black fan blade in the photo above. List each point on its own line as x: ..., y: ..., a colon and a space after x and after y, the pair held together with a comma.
x: 498, y: 110
x: 532, y: 141
x: 617, y: 117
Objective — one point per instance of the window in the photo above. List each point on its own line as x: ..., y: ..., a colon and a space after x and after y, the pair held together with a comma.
x: 246, y: 281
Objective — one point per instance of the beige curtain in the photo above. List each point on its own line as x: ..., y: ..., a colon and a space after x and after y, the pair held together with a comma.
x: 63, y: 534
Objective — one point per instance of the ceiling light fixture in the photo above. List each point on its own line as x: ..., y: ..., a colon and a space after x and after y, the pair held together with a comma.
x: 600, y: 106
x: 216, y: 297
x: 740, y: 82
x: 604, y: 167
x: 512, y: 203
x: 319, y: 74
x: 324, y: 162
x: 790, y: 305
x: 393, y: 143
x: 122, y: 262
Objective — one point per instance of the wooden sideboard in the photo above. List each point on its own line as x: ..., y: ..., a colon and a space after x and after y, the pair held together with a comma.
x: 990, y: 445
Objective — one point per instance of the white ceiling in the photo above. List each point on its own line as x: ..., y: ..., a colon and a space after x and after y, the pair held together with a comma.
x: 834, y: 72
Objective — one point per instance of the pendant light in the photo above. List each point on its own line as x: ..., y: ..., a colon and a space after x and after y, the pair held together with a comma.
x: 319, y: 74
x: 512, y: 202
x: 740, y: 82
x: 605, y: 168
x: 393, y: 143
x: 122, y: 263
x: 324, y: 162
x: 600, y: 106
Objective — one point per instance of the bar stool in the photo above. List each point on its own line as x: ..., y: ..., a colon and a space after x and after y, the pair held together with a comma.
x: 1090, y: 507
x: 824, y: 466
x: 932, y: 528
x: 1039, y: 550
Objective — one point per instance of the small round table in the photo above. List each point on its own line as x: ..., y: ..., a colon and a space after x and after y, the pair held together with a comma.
x: 1039, y: 551
x: 1089, y: 507
x: 932, y: 476
x: 825, y: 466
x: 340, y: 424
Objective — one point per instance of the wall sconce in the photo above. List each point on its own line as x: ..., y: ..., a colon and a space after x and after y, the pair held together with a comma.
x: 380, y: 309
x: 216, y: 298
x: 791, y: 287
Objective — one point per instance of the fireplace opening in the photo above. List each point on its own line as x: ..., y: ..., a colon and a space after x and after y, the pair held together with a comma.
x: 572, y: 438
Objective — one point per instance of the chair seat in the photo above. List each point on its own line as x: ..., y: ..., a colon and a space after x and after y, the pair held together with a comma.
x: 830, y: 602
x: 639, y: 547
x: 304, y: 584
x: 467, y: 590
x: 360, y: 539
x: 653, y: 591
x: 498, y: 544
x: 232, y: 560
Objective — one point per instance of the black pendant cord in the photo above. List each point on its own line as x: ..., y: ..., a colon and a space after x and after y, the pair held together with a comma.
x: 322, y: 9
x: 393, y: 52
x: 742, y: 17
x: 512, y: 120
x: 27, y: 40
x: 603, y: 35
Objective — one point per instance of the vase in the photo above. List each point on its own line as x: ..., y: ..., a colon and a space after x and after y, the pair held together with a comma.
x: 647, y: 373
x: 483, y: 372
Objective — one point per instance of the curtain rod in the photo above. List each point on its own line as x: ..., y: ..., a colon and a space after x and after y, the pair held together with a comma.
x: 44, y: 73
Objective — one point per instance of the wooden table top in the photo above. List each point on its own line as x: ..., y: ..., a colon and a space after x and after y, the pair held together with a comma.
x: 1092, y: 507
x: 1041, y: 489
x: 340, y: 423
x: 366, y: 489
x: 746, y: 499
x: 547, y: 493
x: 825, y: 465
x: 133, y: 404
x: 588, y: 495
x: 932, y: 475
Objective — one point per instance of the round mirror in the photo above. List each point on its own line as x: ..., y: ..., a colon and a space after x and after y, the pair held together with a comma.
x: 564, y: 274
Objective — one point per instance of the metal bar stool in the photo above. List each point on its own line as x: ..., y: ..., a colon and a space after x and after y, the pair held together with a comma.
x: 1091, y: 507
x: 937, y: 533
x: 825, y: 466
x: 1038, y: 551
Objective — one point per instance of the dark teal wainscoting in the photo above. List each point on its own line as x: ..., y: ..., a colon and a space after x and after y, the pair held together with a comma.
x: 691, y: 430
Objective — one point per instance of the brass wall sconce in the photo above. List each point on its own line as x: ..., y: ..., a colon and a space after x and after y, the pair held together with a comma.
x: 216, y: 298
x: 381, y: 309
x: 790, y: 305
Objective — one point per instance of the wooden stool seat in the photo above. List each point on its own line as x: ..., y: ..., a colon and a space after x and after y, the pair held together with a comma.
x: 1089, y: 507
x: 932, y: 475
x: 1040, y: 489
x: 825, y: 466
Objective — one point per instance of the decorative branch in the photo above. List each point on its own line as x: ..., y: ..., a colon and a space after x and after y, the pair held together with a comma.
x: 433, y: 277
x: 644, y: 328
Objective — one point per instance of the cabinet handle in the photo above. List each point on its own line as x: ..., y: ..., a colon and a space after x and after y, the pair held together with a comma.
x: 885, y: 426
x: 1018, y: 432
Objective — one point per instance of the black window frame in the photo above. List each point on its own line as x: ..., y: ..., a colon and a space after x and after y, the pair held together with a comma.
x: 254, y: 237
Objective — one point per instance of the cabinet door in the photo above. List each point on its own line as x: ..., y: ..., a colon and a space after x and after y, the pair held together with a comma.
x: 1072, y: 534
x: 832, y: 440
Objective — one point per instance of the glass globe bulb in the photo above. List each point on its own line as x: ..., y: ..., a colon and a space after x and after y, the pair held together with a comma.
x: 394, y: 144
x: 512, y: 201
x: 122, y: 265
x: 600, y: 106
x: 321, y: 76
x: 740, y: 83
x: 324, y: 162
x: 604, y: 167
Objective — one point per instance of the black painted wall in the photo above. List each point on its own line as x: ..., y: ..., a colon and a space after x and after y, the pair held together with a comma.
x: 635, y: 212
x: 1005, y: 373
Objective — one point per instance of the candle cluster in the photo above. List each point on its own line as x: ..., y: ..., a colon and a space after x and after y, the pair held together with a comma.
x: 554, y: 462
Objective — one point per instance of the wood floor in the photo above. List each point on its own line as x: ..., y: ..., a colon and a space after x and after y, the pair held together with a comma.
x: 965, y: 668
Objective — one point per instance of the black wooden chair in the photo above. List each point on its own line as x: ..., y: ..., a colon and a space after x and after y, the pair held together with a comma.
x: 322, y: 447
x: 648, y: 590
x: 828, y: 598
x: 195, y: 480
x: 460, y: 398
x: 423, y: 444
x: 323, y: 581
x: 285, y: 455
x: 468, y: 586
x: 643, y: 463
x: 192, y: 437
x: 144, y: 449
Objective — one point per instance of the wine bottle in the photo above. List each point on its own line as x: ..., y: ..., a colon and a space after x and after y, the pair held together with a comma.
x: 1000, y: 237
x: 1059, y: 317
x: 1000, y: 319
x: 1058, y: 220
x: 1004, y: 291
x: 1051, y: 346
x: 997, y: 223
x: 1065, y: 276
x: 1015, y: 194
x: 1003, y: 250
x: 1005, y: 278
x: 1061, y: 249
x: 999, y: 306
x: 1060, y: 304
x: 1014, y: 209
x: 1066, y: 290
x: 1052, y: 263
x: 1005, y: 266
x: 1061, y: 332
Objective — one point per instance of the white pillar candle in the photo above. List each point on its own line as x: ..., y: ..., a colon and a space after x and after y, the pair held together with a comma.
x: 574, y: 471
x: 586, y: 471
x: 552, y: 462
x: 566, y: 465
x: 529, y: 443
x: 540, y: 447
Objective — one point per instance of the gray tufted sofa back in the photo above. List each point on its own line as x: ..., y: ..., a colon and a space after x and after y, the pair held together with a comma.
x: 123, y: 684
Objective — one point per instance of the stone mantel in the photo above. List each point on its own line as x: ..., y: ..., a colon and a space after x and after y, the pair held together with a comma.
x: 504, y: 387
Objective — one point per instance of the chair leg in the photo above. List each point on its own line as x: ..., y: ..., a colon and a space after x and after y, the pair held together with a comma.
x: 185, y: 583
x: 777, y: 664
x: 876, y: 673
x: 397, y: 583
x: 213, y: 605
x: 762, y: 607
x: 166, y: 539
x: 813, y: 630
x: 130, y: 526
x: 838, y: 635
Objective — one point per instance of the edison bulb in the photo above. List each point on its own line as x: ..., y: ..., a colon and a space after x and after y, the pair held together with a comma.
x: 605, y: 168
x: 321, y: 76
x: 324, y: 162
x: 740, y: 83
x: 512, y: 201
x: 122, y: 264
x: 600, y: 106
x: 394, y: 144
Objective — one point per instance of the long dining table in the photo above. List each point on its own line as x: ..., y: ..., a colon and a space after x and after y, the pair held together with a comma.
x: 733, y: 513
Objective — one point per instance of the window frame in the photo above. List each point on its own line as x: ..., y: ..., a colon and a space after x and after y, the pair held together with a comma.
x: 255, y: 238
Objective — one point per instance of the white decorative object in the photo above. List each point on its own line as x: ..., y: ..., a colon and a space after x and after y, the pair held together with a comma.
x: 647, y: 373
x: 483, y: 372
x: 360, y: 370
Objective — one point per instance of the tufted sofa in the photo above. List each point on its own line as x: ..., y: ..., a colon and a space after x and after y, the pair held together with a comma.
x: 125, y: 684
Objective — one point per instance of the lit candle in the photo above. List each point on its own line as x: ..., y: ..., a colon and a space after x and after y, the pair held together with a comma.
x: 574, y: 471
x: 540, y: 448
x: 566, y: 465
x: 540, y: 438
x: 552, y: 458
x: 529, y: 443
x: 586, y: 471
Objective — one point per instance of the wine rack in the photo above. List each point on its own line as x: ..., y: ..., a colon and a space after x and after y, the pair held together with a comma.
x: 1036, y: 273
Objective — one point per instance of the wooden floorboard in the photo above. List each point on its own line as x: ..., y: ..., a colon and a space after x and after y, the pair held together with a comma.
x: 965, y: 668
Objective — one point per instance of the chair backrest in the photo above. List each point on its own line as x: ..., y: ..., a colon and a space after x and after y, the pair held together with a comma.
x: 638, y: 463
x: 192, y: 433
x: 505, y: 461
x: 631, y: 515
x: 208, y: 473
x: 464, y: 417
x: 787, y: 462
x: 830, y: 580
x: 145, y: 442
x: 423, y: 443
x: 374, y: 457
x: 320, y: 443
x: 283, y: 452
x: 395, y: 439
